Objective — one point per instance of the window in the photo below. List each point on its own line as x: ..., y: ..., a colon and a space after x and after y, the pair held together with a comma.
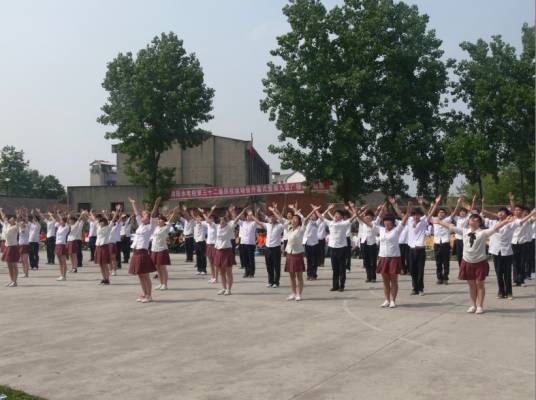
x: 84, y: 206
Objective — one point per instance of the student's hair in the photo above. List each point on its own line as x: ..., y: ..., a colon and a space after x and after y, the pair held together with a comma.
x: 442, y: 209
x: 72, y: 218
x: 341, y: 212
x: 103, y: 220
x: 418, y: 211
x: 504, y: 210
x: 518, y: 206
x: 161, y: 217
x: 477, y: 216
x: 527, y: 209
x: 389, y: 217
x: 64, y: 219
x: 299, y: 219
x: 464, y: 209
x: 369, y: 213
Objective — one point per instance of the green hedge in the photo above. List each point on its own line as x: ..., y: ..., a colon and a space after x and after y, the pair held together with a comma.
x: 13, y: 394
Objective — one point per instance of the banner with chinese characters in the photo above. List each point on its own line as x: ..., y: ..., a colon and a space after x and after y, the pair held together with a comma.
x: 243, y: 191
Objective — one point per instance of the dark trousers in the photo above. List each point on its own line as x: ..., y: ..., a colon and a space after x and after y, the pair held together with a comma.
x: 503, y: 270
x: 442, y: 259
x: 311, y: 256
x: 247, y: 255
x: 118, y: 248
x: 189, y: 245
x: 201, y: 256
x: 51, y: 245
x: 285, y: 246
x: 233, y: 245
x: 519, y: 267
x: 79, y: 256
x: 125, y: 248
x: 416, y: 267
x: 91, y: 243
x: 528, y: 259
x: 370, y: 259
x: 272, y: 257
x: 404, y: 257
x: 338, y: 265
x: 34, y: 255
x: 348, y: 253
x: 458, y: 250
x: 321, y: 252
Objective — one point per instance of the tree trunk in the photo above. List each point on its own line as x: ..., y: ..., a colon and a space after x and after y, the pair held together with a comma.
x: 480, y: 190
x: 522, y: 185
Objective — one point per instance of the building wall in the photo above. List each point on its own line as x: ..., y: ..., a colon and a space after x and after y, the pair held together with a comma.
x: 10, y: 203
x: 102, y: 197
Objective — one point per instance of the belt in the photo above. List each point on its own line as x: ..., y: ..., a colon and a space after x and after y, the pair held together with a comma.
x: 417, y: 247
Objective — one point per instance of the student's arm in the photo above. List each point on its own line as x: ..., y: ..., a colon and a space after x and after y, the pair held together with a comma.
x: 458, y: 206
x: 154, y: 213
x: 134, y: 207
x: 528, y: 217
x: 511, y: 198
x: 394, y: 204
x: 405, y: 218
x: 420, y: 200
x: 432, y: 211
x: 313, y: 210
x: 450, y: 227
x: 235, y: 220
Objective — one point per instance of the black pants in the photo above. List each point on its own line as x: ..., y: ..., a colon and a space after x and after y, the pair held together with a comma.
x: 370, y: 259
x: 404, y: 257
x: 272, y: 257
x: 458, y: 250
x: 503, y: 270
x: 348, y: 253
x: 528, y: 259
x: 247, y: 256
x: 125, y: 248
x: 91, y: 243
x: 321, y: 252
x: 519, y: 267
x: 201, y: 256
x: 416, y: 267
x: 233, y: 245
x: 79, y: 256
x: 285, y: 246
x: 442, y: 259
x: 338, y: 265
x: 311, y: 256
x: 51, y: 245
x: 189, y: 245
x: 118, y: 248
x: 34, y: 255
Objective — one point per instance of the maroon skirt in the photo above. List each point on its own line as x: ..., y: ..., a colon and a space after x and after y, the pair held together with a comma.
x: 160, y: 257
x: 210, y: 252
x: 73, y: 247
x: 60, y: 250
x: 24, y: 249
x: 294, y: 263
x: 473, y: 271
x: 112, y: 248
x: 224, y: 258
x: 141, y: 263
x: 102, y: 254
x: 389, y: 265
x: 11, y: 254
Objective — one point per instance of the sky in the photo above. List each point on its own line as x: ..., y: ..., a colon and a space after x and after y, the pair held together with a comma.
x: 54, y: 55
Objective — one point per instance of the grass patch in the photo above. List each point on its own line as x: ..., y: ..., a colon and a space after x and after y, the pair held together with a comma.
x: 13, y: 394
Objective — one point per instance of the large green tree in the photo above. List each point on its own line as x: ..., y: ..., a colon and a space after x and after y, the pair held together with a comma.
x: 155, y: 100
x: 355, y: 93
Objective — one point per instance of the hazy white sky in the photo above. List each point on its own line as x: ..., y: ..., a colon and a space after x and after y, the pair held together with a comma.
x: 54, y: 55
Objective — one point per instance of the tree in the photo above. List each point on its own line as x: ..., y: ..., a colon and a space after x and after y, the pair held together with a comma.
x: 17, y: 179
x: 356, y: 93
x: 155, y: 100
x: 498, y: 88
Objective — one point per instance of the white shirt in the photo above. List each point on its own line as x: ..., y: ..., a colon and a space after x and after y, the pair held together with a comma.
x: 389, y: 241
x: 3, y: 235
x: 310, y: 237
x: 142, y: 237
x: 212, y: 231
x: 61, y: 234
x: 200, y: 231
x: 103, y: 235
x: 159, y: 238
x: 224, y: 235
x: 337, y: 233
x: 403, y: 237
x: 321, y: 233
x: 35, y: 230
x: 76, y: 231
x: 24, y: 234
x: 417, y: 233
x: 11, y: 232
x: 126, y: 228
x: 477, y: 252
x: 442, y: 234
x: 115, y: 233
x: 273, y: 233
x: 247, y: 232
x: 285, y: 232
x: 521, y: 234
x: 93, y: 225
x: 500, y: 243
x: 461, y: 222
x: 368, y: 233
x: 188, y: 226
x: 52, y: 225
x: 295, y: 239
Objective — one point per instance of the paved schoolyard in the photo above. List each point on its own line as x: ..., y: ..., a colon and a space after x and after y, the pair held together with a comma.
x: 78, y: 340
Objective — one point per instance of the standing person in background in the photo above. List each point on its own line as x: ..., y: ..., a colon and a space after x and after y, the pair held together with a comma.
x: 62, y: 231
x: 102, y: 248
x: 52, y: 225
x: 461, y: 221
x: 310, y: 242
x: 212, y: 230
x: 115, y: 237
x: 24, y: 240
x: 200, y: 238
x: 321, y: 233
x: 159, y: 247
x: 35, y: 231
x: 520, y: 239
x: 272, y: 255
x: 188, y: 223
x: 126, y: 231
x: 290, y: 214
x: 11, y: 254
x: 247, y: 234
x: 404, y: 250
x: 92, y: 236
x: 74, y: 239
x: 369, y: 249
x: 348, y: 245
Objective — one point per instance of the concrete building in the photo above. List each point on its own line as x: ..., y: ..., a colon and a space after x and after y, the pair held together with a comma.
x: 102, y: 173
x: 218, y: 161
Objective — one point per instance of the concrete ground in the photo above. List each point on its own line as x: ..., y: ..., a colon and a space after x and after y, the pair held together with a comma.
x: 78, y: 340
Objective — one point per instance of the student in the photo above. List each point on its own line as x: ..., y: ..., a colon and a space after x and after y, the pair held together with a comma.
x: 159, y: 247
x: 102, y: 245
x: 50, y: 243
x: 126, y: 232
x: 35, y: 231
x: 289, y: 216
x: 115, y: 238
x: 247, y: 234
x: 200, y: 238
x: 211, y: 229
x: 404, y: 250
x: 60, y: 250
x: 368, y: 230
x: 321, y: 233
x: 92, y: 237
x: 310, y: 242
x: 338, y: 245
x: 461, y: 221
x: 442, y: 245
x: 389, y: 260
x: 519, y: 240
x: 188, y: 223
x: 74, y: 239
x: 24, y: 240
x: 475, y: 267
x: 11, y: 254
x: 141, y: 263
x: 272, y: 255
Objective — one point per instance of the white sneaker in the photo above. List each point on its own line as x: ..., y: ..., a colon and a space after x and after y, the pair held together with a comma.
x: 61, y: 278
x: 268, y: 285
x: 8, y: 284
x: 114, y: 274
x: 163, y: 287
x: 471, y: 309
x: 203, y: 273
x: 221, y: 291
x: 158, y: 287
x: 385, y: 304
x: 146, y: 300
x: 198, y: 273
x: 212, y: 280
x: 392, y: 304
x: 227, y: 292
x: 291, y: 296
x: 479, y: 310
x: 274, y: 286
x: 140, y: 298
x: 12, y: 284
x: 297, y: 298
x: 421, y: 293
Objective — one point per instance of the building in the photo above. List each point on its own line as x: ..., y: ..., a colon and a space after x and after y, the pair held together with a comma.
x: 218, y: 161
x: 291, y: 177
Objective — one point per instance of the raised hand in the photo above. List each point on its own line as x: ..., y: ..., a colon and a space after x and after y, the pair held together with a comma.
x: 392, y: 200
x: 420, y: 200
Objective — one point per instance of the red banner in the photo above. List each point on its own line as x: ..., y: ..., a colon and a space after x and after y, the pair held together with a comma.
x: 244, y: 191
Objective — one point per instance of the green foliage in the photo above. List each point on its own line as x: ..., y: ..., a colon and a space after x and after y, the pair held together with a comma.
x: 356, y: 95
x: 13, y: 394
x: 154, y: 101
x: 17, y: 179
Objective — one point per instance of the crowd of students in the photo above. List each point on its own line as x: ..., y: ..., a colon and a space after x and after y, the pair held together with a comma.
x: 391, y: 242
